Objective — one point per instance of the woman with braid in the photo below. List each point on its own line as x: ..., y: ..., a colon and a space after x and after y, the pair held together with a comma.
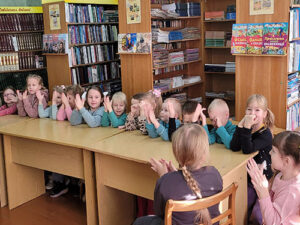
x: 191, y: 181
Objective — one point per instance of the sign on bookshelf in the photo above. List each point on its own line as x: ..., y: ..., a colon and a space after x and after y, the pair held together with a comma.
x: 23, y: 9
x: 259, y: 7
x: 99, y: 2
x: 134, y: 43
x: 55, y: 43
x: 133, y: 11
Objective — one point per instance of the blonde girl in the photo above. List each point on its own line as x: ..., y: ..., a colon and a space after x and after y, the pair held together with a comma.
x: 68, y: 101
x: 193, y: 180
x: 28, y: 102
x: 115, y: 110
x: 252, y: 134
x: 10, y: 101
x: 56, y: 103
x: 280, y: 203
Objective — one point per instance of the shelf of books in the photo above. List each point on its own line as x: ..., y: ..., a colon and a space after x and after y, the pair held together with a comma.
x: 21, y: 34
x: 81, y: 44
x: 174, y: 62
x: 219, y: 63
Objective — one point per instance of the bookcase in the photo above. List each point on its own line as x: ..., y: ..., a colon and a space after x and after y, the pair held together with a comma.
x: 266, y: 75
x: 140, y: 72
x: 90, y: 58
x: 21, y: 30
x: 219, y: 82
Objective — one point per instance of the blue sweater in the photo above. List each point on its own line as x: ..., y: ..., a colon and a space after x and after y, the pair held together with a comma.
x: 93, y: 119
x: 222, y: 134
x: 110, y: 119
x: 48, y: 112
x: 162, y: 130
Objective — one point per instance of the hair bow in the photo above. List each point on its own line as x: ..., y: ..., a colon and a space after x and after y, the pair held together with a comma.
x: 156, y: 92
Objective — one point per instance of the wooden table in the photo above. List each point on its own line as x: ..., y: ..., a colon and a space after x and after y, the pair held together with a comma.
x: 56, y: 146
x: 6, y: 121
x: 122, y: 170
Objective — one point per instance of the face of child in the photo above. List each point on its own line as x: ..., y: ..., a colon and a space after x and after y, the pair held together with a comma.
x: 254, y: 109
x: 118, y: 107
x: 276, y: 158
x: 33, y: 86
x: 58, y: 98
x: 94, y: 99
x: 164, y: 113
x: 9, y: 96
x: 188, y: 118
x: 218, y: 113
x: 71, y: 99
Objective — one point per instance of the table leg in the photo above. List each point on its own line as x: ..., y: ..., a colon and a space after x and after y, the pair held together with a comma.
x: 3, y: 191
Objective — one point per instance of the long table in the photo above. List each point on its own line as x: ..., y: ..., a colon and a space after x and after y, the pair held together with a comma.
x: 122, y: 171
x: 43, y: 144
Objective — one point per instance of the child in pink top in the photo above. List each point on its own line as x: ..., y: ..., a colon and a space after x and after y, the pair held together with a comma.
x: 28, y: 102
x: 68, y: 102
x: 280, y: 204
x: 10, y: 100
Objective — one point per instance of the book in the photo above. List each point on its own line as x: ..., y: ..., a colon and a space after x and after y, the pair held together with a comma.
x: 239, y: 39
x: 127, y: 42
x: 144, y: 42
x: 255, y: 38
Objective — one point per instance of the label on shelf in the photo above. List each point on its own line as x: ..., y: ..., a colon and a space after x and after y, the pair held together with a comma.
x: 20, y: 9
x: 99, y: 2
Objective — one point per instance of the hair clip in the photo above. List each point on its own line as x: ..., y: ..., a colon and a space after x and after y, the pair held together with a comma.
x: 63, y: 87
x: 156, y: 92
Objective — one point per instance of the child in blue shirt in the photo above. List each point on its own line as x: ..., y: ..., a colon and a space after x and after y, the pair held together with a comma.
x: 115, y: 110
x: 170, y: 108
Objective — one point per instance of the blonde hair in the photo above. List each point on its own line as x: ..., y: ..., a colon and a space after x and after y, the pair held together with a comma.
x: 190, y: 146
x: 263, y: 104
x: 39, y: 79
x: 176, y: 104
x: 218, y: 103
x: 154, y: 100
x: 75, y: 89
x: 119, y: 96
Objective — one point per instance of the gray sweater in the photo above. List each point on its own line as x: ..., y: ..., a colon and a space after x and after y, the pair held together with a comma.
x: 93, y: 119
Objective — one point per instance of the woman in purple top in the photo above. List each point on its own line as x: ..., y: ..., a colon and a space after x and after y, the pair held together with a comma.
x: 191, y: 181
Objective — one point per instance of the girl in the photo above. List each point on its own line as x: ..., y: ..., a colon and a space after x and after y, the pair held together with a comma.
x: 10, y: 99
x: 281, y: 203
x: 253, y: 134
x: 89, y: 110
x: 157, y: 128
x: 132, y: 120
x: 114, y: 114
x: 192, y: 181
x: 56, y: 102
x: 28, y: 102
x: 68, y: 102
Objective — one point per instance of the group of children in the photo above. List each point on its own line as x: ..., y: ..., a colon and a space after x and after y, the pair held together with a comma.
x: 187, y: 128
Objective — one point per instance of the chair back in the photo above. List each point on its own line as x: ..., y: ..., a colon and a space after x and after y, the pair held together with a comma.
x: 227, y: 217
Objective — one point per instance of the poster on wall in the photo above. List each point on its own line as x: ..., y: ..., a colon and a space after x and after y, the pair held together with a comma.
x: 259, y: 7
x: 55, y: 43
x: 133, y: 11
x: 54, y: 17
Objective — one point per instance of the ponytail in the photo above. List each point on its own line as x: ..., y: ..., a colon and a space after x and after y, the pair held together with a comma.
x: 269, y: 120
x: 203, y: 216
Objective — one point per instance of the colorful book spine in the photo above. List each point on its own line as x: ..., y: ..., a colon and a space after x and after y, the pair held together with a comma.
x: 255, y: 38
x: 239, y: 39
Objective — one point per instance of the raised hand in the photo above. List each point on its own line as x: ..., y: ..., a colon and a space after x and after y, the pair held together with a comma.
x: 158, y: 167
x: 54, y: 97
x: 39, y: 96
x: 64, y: 99
x: 25, y: 95
x: 218, y: 122
x: 171, y: 109
x: 79, y: 102
x: 250, y: 120
x: 241, y: 123
x: 108, y: 104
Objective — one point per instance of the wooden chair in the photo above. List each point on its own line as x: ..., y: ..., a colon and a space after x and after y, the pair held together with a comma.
x: 184, y: 206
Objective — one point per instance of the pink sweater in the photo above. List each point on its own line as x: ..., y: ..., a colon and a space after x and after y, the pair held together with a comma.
x: 64, y: 113
x: 283, y: 205
x: 30, y: 105
x: 4, y: 110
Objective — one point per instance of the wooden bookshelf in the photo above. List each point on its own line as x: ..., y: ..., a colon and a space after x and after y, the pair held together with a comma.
x: 176, y: 18
x: 181, y: 87
x: 182, y: 40
x: 225, y: 73
x: 224, y: 98
x: 170, y: 74
x: 25, y: 70
x: 22, y: 32
x: 176, y: 64
x: 293, y: 103
x: 217, y: 47
x: 34, y: 50
x: 218, y: 21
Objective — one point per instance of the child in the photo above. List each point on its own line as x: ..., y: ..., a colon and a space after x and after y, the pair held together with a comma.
x: 68, y: 102
x: 253, y: 134
x: 56, y: 102
x: 10, y: 101
x: 132, y: 120
x: 90, y: 110
x: 28, y: 102
x: 157, y: 128
x: 115, y: 110
x: 192, y: 181
x: 281, y: 203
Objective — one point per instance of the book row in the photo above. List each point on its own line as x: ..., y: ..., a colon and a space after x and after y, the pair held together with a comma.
x: 168, y: 69
x: 294, y: 24
x: 76, y: 13
x: 293, y: 117
x: 293, y: 88
x: 21, y: 22
x: 167, y: 36
x: 92, y: 33
x: 20, y: 42
x: 259, y: 38
x: 217, y: 39
x: 294, y: 56
x: 168, y: 46
x: 167, y: 23
x: 21, y: 61
x: 96, y: 73
x: 92, y: 54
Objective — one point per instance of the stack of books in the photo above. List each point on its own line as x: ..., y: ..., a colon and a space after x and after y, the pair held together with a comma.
x: 190, y: 33
x: 192, y: 79
x: 160, y: 36
x: 168, y: 69
x: 230, y: 67
x: 163, y: 13
x: 214, y: 38
x: 20, y: 42
x: 175, y: 35
x: 188, y: 9
x: 294, y: 53
x: 191, y: 54
x: 176, y: 57
x: 160, y: 57
x: 214, y: 67
x: 293, y: 87
x: 215, y: 15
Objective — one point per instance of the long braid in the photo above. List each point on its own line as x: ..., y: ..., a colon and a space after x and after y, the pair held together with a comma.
x: 203, y: 215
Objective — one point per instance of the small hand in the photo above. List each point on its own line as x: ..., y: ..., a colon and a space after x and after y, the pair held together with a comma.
x: 218, y: 122
x: 20, y: 96
x: 39, y: 96
x: 171, y: 109
x: 169, y: 165
x: 25, y: 95
x: 108, y: 104
x: 158, y: 167
x: 197, y: 113
x: 121, y: 127
x: 15, y: 99
x: 64, y: 99
x: 134, y: 110
x: 241, y: 123
x: 79, y: 102
x: 249, y: 121
x: 54, y: 97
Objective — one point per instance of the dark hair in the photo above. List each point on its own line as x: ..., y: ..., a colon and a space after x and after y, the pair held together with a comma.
x: 288, y: 143
x: 189, y: 107
x: 138, y: 96
x: 75, y: 89
x: 11, y: 88
x: 97, y: 88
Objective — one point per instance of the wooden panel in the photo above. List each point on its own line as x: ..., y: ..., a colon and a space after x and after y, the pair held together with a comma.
x: 262, y: 75
x: 23, y: 183
x: 58, y: 70
x: 64, y: 28
x: 3, y: 191
x: 46, y: 156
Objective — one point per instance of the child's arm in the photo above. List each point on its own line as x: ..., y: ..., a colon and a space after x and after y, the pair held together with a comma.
x: 172, y: 123
x: 226, y: 135
x: 20, y: 105
x: 61, y: 114
x: 43, y: 113
x: 235, y: 144
x: 54, y: 110
x: 142, y: 124
x: 211, y: 135
x: 32, y: 110
x: 105, y: 121
x: 92, y: 120
x: 163, y: 131
x: 130, y: 123
x: 68, y: 111
x: 76, y: 118
x: 153, y: 124
x: 8, y: 110
x: 117, y: 121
